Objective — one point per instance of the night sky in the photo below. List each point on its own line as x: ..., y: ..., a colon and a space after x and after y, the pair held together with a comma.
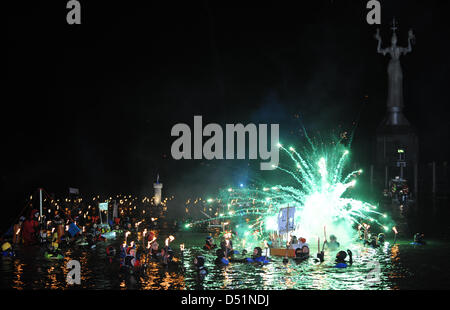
x: 92, y: 105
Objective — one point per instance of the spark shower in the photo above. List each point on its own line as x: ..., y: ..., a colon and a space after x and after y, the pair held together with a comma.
x: 320, y: 191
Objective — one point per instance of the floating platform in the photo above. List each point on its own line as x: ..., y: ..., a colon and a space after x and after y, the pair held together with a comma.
x: 282, y: 252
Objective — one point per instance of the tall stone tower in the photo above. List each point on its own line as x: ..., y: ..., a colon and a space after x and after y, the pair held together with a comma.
x: 157, y: 187
x: 397, y: 144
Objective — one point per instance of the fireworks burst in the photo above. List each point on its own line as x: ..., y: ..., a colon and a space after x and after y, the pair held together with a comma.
x: 320, y: 194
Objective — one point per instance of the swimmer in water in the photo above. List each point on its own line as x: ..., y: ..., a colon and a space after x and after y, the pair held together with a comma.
x: 201, y: 272
x: 199, y: 263
x: 302, y: 253
x: 419, y: 238
x: 257, y: 257
x: 221, y: 259
x: 7, y: 249
x: 381, y: 239
x: 340, y: 259
x: 209, y: 244
x: 333, y: 244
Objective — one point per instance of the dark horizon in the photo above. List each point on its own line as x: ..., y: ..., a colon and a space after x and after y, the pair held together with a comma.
x: 91, y: 106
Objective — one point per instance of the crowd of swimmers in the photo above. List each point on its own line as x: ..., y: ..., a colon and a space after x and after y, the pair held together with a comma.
x: 55, y: 230
x: 58, y: 231
x: 225, y: 254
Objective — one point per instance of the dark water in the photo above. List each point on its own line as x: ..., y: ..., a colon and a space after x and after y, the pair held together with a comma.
x: 402, y: 266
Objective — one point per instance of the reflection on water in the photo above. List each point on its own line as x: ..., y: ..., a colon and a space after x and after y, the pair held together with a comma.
x: 402, y: 266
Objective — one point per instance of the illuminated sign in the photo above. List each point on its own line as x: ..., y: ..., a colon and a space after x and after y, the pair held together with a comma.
x: 103, y: 206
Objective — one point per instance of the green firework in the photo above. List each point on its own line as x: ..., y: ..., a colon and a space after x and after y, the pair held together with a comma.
x: 320, y: 192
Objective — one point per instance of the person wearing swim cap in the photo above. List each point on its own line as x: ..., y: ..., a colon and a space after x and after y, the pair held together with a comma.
x: 199, y: 263
x: 209, y: 244
x: 130, y: 258
x: 340, y: 259
x: 7, y: 249
x: 302, y: 253
x: 419, y: 238
x: 221, y: 259
x: 257, y: 257
x: 6, y: 246
x: 257, y: 252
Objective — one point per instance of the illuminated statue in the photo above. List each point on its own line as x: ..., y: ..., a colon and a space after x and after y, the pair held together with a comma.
x: 395, y: 76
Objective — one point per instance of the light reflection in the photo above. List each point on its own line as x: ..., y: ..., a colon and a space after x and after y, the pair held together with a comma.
x: 18, y: 271
x: 96, y: 273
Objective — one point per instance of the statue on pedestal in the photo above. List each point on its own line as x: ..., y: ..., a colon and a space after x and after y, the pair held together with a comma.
x: 395, y: 76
